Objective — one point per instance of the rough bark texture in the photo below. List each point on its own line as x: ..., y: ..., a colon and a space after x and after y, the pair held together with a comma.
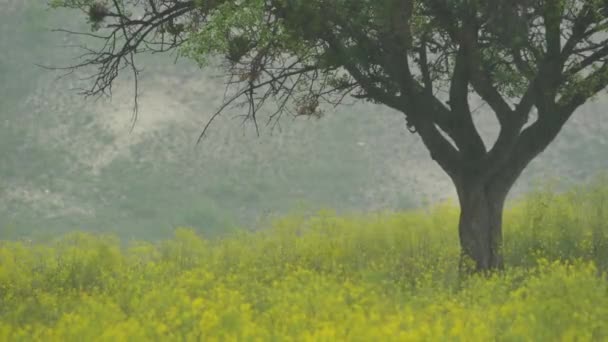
x: 480, y: 227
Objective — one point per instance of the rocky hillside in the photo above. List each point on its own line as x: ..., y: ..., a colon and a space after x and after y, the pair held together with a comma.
x: 71, y: 163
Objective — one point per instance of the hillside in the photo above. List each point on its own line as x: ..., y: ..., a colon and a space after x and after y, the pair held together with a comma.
x: 70, y: 163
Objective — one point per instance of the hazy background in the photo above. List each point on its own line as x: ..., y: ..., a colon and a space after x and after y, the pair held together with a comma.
x: 67, y: 163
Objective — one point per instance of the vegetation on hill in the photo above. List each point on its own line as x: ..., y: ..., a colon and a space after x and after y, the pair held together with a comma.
x: 390, y: 276
x: 71, y: 164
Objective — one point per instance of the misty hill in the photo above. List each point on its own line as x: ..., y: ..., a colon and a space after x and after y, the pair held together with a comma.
x: 72, y: 163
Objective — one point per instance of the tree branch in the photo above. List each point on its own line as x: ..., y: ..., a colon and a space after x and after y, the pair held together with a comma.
x: 582, y: 91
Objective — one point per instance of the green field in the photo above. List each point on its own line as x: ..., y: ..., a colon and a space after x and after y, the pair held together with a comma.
x: 378, y: 277
x: 89, y: 250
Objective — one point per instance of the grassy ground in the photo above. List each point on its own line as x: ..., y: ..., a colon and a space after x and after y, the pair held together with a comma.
x: 383, y: 277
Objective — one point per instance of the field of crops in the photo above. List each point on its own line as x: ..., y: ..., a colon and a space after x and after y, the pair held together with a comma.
x: 374, y: 277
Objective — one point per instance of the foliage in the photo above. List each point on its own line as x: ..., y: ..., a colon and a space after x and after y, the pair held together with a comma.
x: 421, y: 58
x: 390, y: 276
x: 161, y: 181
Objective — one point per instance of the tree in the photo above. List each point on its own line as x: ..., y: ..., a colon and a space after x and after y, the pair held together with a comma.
x: 533, y: 62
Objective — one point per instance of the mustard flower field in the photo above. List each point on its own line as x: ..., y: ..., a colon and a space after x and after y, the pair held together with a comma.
x: 373, y: 277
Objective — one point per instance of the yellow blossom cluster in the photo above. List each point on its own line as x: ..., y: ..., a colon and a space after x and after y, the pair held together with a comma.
x: 325, y: 277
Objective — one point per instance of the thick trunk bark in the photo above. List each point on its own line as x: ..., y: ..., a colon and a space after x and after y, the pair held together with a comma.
x: 480, y: 227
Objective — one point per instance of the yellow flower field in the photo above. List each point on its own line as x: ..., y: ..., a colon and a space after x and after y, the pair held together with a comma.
x: 375, y: 277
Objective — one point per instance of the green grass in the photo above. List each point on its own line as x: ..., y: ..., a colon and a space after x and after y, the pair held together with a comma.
x: 386, y: 276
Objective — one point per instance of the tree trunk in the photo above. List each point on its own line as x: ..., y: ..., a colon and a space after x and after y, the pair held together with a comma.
x: 480, y: 227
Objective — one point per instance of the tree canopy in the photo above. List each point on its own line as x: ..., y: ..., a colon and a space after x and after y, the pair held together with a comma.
x: 516, y: 55
x: 525, y: 59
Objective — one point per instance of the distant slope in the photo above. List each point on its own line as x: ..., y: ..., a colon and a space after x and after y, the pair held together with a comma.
x: 69, y: 163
